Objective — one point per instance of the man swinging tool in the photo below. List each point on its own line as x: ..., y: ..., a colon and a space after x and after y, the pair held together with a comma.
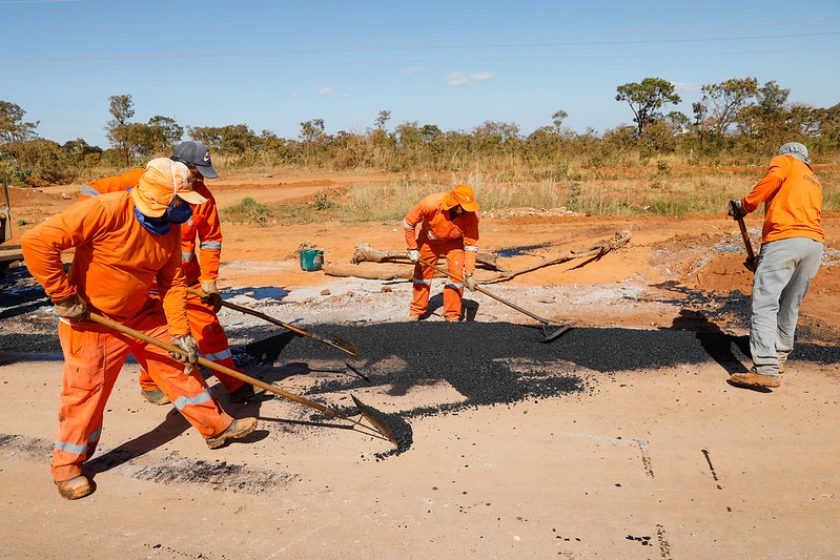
x: 448, y: 226
x: 201, y: 268
x: 791, y: 249
x: 124, y: 242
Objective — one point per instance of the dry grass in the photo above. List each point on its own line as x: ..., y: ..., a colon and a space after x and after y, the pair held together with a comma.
x: 654, y: 191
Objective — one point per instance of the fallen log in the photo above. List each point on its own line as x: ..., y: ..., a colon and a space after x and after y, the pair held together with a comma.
x: 365, y: 253
x: 595, y: 252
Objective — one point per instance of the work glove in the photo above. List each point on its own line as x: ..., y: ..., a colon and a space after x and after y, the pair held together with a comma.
x: 736, y: 209
x: 186, y: 343
x: 413, y: 255
x: 213, y: 297
x: 751, y: 264
x: 470, y: 282
x: 72, y: 308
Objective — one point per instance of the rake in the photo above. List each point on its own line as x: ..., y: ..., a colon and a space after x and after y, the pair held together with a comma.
x: 545, y: 324
x: 376, y: 429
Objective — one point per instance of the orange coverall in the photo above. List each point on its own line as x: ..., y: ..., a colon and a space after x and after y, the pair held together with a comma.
x: 793, y: 199
x: 206, y: 226
x: 439, y: 235
x: 116, y: 262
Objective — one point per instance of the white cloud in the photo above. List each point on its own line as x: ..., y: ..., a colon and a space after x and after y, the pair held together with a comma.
x: 409, y: 70
x: 326, y: 90
x: 459, y: 79
x: 686, y: 87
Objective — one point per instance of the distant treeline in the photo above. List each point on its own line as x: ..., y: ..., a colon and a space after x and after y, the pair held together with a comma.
x: 737, y: 121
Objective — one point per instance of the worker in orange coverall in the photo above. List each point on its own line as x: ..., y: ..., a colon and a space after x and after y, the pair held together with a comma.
x: 792, y: 243
x: 201, y: 268
x: 448, y: 226
x: 124, y: 242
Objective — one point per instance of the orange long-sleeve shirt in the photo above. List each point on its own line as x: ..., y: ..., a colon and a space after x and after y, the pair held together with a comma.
x: 204, y: 225
x: 792, y: 197
x: 116, y: 260
x: 438, y: 227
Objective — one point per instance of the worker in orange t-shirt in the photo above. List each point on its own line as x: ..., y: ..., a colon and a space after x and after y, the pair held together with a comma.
x: 792, y: 243
x: 449, y: 227
x: 124, y: 243
x: 201, y: 268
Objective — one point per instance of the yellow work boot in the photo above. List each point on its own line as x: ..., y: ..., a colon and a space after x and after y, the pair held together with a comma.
x: 753, y: 379
x: 414, y: 317
x: 155, y: 397
x: 238, y: 429
x: 76, y: 487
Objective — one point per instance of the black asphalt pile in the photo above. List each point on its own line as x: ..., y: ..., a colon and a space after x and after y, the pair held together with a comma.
x: 472, y: 357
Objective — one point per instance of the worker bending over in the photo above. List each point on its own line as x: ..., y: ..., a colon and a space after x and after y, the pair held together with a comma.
x: 449, y: 227
x: 791, y: 249
x: 201, y: 246
x: 124, y: 243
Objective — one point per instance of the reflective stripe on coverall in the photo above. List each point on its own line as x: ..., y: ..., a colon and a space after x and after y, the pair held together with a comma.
x: 115, y: 263
x: 440, y: 236
x: 93, y: 357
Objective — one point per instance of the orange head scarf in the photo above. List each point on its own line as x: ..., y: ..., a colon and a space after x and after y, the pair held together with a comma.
x: 163, y: 180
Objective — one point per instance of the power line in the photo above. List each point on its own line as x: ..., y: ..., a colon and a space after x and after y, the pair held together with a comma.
x: 612, y: 56
x: 316, y: 49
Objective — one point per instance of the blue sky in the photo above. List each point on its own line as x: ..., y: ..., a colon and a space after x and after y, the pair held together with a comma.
x: 271, y: 65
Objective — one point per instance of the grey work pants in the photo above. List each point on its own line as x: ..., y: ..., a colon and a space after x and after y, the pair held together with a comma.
x: 785, y: 270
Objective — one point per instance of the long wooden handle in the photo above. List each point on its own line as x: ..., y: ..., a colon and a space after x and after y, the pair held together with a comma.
x: 487, y: 293
x: 248, y: 311
x: 329, y: 340
x: 746, y: 236
x: 214, y: 366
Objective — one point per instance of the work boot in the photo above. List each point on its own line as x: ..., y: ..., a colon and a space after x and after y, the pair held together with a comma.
x: 753, y: 379
x: 155, y: 397
x: 247, y: 391
x: 414, y: 317
x: 76, y: 487
x: 452, y: 319
x: 239, y: 428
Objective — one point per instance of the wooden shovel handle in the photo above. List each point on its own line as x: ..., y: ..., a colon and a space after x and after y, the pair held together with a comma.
x: 214, y: 366
x: 487, y: 293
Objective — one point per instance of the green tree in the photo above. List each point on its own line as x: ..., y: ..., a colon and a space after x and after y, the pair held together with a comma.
x: 722, y: 102
x: 646, y: 99
x: 169, y: 130
x: 312, y: 131
x: 12, y: 126
x: 381, y: 119
x: 121, y: 108
x: 557, y: 120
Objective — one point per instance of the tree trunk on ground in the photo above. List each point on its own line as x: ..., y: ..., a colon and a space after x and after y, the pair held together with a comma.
x: 365, y: 253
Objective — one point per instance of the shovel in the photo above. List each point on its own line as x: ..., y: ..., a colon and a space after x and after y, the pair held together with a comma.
x: 544, y: 323
x: 751, y: 264
x: 377, y: 428
x: 328, y: 339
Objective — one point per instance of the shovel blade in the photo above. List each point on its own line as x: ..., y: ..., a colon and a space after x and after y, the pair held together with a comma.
x: 554, y: 335
x: 373, y: 416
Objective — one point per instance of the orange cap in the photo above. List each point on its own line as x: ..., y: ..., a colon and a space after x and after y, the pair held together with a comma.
x: 163, y: 180
x: 461, y: 195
